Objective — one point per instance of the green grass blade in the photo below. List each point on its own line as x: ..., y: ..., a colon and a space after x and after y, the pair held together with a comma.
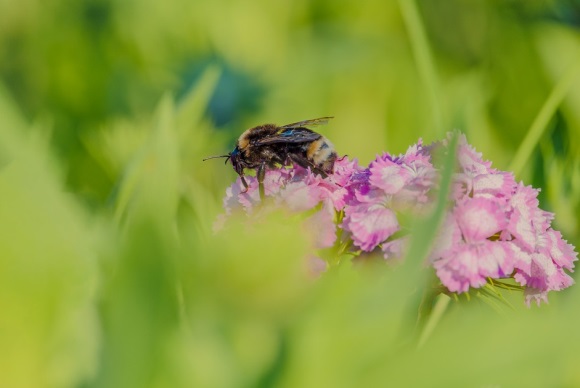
x: 541, y: 121
x: 423, y: 57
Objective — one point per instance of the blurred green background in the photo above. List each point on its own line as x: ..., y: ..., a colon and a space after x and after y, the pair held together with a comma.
x: 110, y: 275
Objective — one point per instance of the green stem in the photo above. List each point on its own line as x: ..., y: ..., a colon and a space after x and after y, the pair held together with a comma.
x: 434, y: 318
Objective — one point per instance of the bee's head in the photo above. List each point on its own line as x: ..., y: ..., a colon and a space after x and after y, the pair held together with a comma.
x: 235, y: 158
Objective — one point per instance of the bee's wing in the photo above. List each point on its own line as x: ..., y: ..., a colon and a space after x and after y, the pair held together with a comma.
x: 290, y: 135
x: 309, y: 123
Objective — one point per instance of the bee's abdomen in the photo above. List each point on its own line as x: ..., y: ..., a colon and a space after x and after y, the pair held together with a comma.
x: 321, y: 153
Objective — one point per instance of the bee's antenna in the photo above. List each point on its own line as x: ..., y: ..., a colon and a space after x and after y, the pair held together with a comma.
x: 217, y: 156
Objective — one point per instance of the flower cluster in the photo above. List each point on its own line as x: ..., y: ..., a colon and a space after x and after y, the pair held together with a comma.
x: 493, y: 227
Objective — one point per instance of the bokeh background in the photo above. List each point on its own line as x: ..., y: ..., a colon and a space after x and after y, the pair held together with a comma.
x: 110, y: 274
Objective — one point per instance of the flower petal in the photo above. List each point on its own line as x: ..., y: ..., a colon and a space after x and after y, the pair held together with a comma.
x: 471, y: 264
x: 369, y: 225
x: 479, y: 218
x: 447, y: 240
x: 395, y: 249
x: 497, y: 185
x: 322, y: 226
x: 469, y: 159
x: 561, y: 252
x: 388, y: 176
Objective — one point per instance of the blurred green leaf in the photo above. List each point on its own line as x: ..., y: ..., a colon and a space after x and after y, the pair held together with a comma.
x: 48, y: 278
x: 139, y: 306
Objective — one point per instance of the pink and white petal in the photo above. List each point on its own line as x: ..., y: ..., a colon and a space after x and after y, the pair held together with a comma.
x: 469, y: 159
x: 329, y: 190
x: 339, y: 198
x: 388, y: 175
x: 525, y: 197
x: 230, y: 201
x: 497, y: 184
x: 479, y: 218
x: 344, y: 171
x: 522, y: 260
x: 275, y: 180
x: 316, y: 266
x: 369, y: 225
x: 560, y: 280
x: 426, y: 176
x: 495, y: 259
x: 471, y: 264
x: 541, y: 269
x: 395, y: 249
x: 522, y: 229
x: 448, y: 238
x: 461, y: 187
x: 408, y: 199
x: 458, y: 271
x: 541, y: 220
x: 299, y: 196
x: 219, y: 223
x: 322, y: 226
x: 368, y: 194
x: 249, y: 197
x: 561, y: 252
x: 357, y: 185
x: 417, y: 155
x: 416, y: 191
x: 533, y: 294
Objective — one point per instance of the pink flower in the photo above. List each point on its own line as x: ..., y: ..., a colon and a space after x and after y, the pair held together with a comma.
x: 468, y: 261
x: 369, y: 224
x: 405, y: 179
x: 391, y: 184
x: 470, y: 264
x: 503, y: 233
x: 476, y: 178
x: 543, y: 269
x: 493, y: 227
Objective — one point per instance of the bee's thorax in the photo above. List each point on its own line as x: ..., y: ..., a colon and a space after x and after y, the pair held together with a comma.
x: 243, y: 140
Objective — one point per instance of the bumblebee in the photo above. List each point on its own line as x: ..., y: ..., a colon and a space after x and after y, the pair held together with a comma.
x: 269, y: 145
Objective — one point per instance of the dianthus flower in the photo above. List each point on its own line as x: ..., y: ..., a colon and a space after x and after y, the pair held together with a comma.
x: 496, y: 230
x: 394, y: 183
x: 492, y: 229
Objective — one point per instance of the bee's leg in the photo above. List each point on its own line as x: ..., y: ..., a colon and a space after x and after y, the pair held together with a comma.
x: 244, y: 183
x: 261, y: 174
x: 303, y: 162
